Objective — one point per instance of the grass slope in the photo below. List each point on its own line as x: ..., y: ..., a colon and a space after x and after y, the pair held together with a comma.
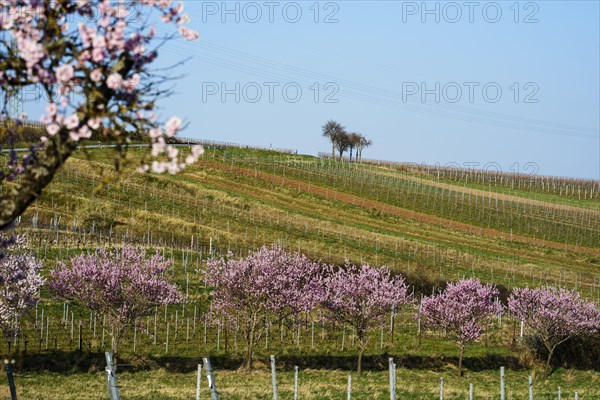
x: 429, y: 229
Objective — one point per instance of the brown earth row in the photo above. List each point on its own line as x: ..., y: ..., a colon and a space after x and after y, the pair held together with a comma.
x: 401, y: 212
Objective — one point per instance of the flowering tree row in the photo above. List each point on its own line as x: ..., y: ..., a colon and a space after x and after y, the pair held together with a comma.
x: 271, y: 284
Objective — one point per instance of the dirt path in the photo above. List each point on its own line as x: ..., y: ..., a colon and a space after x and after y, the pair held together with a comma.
x: 400, y: 212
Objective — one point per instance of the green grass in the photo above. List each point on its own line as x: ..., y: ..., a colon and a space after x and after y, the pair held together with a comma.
x: 164, y: 383
x: 224, y: 201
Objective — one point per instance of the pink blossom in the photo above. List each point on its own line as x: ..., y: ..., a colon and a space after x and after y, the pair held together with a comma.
x: 363, y: 297
x: 122, y: 284
x: 554, y: 315
x: 52, y: 129
x: 188, y: 34
x: 94, y: 123
x: 64, y: 73
x: 72, y: 121
x: 461, y: 311
x: 96, y: 75
x: 172, y: 126
x: 114, y: 81
x: 268, y: 283
x: 51, y: 109
x: 21, y: 283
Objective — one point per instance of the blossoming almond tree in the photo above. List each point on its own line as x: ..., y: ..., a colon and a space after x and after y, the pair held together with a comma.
x: 20, y: 283
x: 91, y: 59
x: 554, y: 315
x: 268, y: 283
x: 363, y: 298
x: 461, y: 311
x: 123, y: 285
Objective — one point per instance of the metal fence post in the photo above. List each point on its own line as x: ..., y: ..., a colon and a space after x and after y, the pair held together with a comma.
x: 274, y: 378
x: 198, y: 379
x: 214, y: 395
x: 502, y: 393
x: 442, y: 388
x: 113, y: 388
x: 296, y: 383
x: 530, y: 388
x: 349, y: 387
x: 391, y: 374
x: 11, y: 379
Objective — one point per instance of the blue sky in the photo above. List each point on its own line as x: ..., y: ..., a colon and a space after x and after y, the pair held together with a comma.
x: 374, y: 58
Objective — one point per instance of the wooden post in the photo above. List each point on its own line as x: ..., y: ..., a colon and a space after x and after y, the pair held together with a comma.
x: 502, y: 392
x: 274, y: 378
x: 113, y: 388
x: 214, y: 395
x: 198, y: 379
x: 296, y: 382
x: 11, y: 379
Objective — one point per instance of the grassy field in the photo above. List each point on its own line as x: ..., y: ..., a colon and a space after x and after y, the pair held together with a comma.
x: 430, y: 230
x: 163, y: 383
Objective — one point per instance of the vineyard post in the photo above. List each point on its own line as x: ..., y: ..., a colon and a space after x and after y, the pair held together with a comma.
x: 198, y: 379
x: 470, y: 391
x: 211, y: 380
x: 576, y: 396
x: 296, y: 382
x: 502, y: 392
x: 47, y: 328
x: 442, y: 388
x: 167, y: 340
x: 349, y: 387
x: 10, y: 378
x: 559, y: 393
x: 274, y: 378
x: 80, y: 338
x: 391, y: 374
x: 113, y: 389
x: 155, y: 317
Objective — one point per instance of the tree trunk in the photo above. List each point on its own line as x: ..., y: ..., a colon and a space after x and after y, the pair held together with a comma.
x: 15, y: 201
x: 550, y: 352
x: 250, y: 351
x: 460, y: 360
x: 360, y: 356
x: 350, y: 154
x: 332, y: 149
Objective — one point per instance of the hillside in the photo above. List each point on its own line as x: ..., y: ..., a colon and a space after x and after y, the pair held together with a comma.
x: 430, y: 225
x: 427, y: 224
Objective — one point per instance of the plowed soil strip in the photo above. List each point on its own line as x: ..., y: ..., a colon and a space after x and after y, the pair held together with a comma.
x: 397, y: 211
